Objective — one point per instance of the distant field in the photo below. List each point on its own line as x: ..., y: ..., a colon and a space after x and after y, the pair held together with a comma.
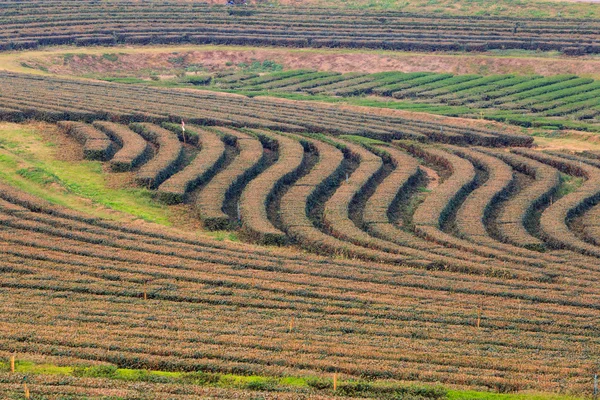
x: 560, y: 101
x: 38, y: 23
x: 513, y: 8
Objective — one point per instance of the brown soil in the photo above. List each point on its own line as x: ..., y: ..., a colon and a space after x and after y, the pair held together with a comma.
x: 141, y: 62
x: 70, y: 150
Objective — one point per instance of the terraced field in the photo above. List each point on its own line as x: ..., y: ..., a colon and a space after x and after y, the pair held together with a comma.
x: 25, y: 96
x: 368, y: 255
x: 361, y: 199
x: 39, y: 23
x: 561, y: 101
x: 361, y: 195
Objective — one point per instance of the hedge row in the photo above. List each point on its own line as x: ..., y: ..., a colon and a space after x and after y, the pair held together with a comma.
x: 415, y: 91
x: 336, y: 215
x: 328, y: 80
x: 96, y: 145
x: 211, y: 199
x: 548, y: 96
x: 368, y: 87
x: 436, y: 207
x: 167, y: 159
x: 554, y: 220
x: 280, y: 84
x: 389, y: 90
x: 515, y: 216
x: 126, y: 21
x: 134, y: 149
x: 474, y: 212
x: 256, y: 195
x: 271, y: 77
x: 203, y: 167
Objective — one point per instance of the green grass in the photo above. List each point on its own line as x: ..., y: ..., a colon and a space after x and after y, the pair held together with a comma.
x: 568, y: 184
x: 110, y: 57
x: 472, y: 395
x: 128, y: 80
x: 363, y: 140
x: 224, y: 235
x: 305, y: 385
x: 29, y: 163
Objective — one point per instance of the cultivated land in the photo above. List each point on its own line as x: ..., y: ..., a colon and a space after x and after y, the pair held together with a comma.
x: 332, y: 223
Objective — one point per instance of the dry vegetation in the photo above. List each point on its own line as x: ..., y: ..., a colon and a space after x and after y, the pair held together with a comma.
x: 383, y: 253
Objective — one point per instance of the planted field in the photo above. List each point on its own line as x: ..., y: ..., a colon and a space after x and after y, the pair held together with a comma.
x: 401, y: 247
x: 281, y: 313
x: 315, y: 251
x: 39, y: 23
x: 331, y: 182
x: 25, y: 96
x: 561, y: 101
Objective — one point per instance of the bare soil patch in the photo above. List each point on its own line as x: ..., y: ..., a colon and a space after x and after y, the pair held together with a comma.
x: 67, y: 148
x: 143, y: 61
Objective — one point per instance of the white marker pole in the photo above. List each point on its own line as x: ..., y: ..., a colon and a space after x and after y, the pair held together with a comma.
x: 183, y: 130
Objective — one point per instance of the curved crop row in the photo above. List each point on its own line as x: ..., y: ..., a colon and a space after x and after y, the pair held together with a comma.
x: 212, y: 197
x: 554, y: 220
x: 296, y: 201
x: 433, y: 211
x: 516, y: 256
x: 328, y: 241
x: 203, y: 167
x: 376, y: 214
x: 377, y: 207
x: 134, y: 149
x: 472, y: 214
x: 96, y: 145
x: 103, y: 298
x: 336, y: 214
x: 512, y: 219
x: 166, y: 160
x: 349, y: 240
x: 590, y: 222
x: 301, y: 197
x: 253, y: 202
